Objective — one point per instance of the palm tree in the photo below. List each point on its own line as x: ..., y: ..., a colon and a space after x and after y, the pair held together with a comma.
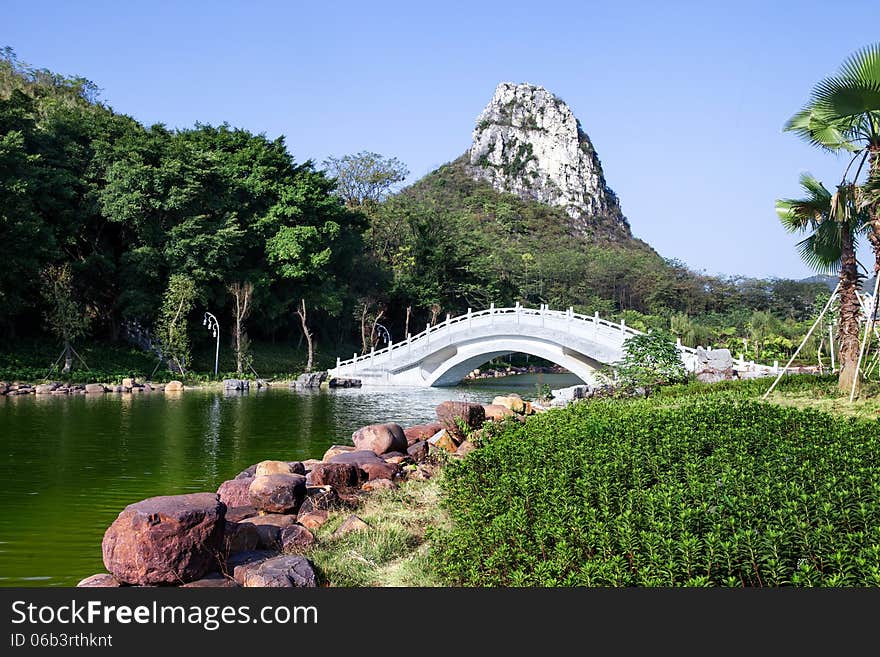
x: 843, y: 114
x: 833, y: 222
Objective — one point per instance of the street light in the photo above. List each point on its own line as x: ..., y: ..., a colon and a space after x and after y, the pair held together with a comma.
x: 214, y: 326
x: 386, y: 334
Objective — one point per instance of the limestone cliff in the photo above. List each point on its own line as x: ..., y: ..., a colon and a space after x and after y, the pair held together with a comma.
x: 529, y: 143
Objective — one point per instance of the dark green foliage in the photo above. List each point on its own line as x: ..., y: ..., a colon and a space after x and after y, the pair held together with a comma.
x: 126, y: 206
x: 711, y: 491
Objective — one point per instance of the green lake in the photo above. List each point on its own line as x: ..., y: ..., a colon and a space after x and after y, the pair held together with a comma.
x: 70, y: 464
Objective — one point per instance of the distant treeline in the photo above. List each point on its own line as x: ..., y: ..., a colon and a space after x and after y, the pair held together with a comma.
x: 128, y: 213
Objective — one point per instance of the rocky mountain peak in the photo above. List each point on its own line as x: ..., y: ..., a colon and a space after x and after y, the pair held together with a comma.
x: 528, y: 142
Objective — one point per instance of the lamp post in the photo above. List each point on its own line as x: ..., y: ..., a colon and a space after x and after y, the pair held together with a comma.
x: 386, y: 334
x: 214, y: 326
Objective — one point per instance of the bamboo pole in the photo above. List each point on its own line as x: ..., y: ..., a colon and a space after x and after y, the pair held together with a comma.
x: 804, y: 341
x: 869, y: 326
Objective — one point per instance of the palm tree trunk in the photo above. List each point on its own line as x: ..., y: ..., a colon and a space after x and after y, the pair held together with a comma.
x: 874, y: 209
x: 848, y: 326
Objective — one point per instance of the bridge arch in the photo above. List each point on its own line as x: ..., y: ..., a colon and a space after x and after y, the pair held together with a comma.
x: 470, y: 356
x: 442, y: 355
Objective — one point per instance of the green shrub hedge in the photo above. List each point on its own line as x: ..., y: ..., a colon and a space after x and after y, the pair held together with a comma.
x: 706, y: 491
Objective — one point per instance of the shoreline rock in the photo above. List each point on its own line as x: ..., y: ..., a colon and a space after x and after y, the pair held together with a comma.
x: 256, y: 528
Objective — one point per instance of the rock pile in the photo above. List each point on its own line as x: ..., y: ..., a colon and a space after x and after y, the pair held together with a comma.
x: 58, y: 388
x: 255, y: 529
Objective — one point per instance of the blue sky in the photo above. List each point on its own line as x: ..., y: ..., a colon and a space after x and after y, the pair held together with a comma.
x: 684, y: 101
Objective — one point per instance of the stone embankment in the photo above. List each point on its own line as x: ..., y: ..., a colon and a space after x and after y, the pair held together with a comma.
x: 256, y: 529
x: 133, y: 386
x: 128, y: 386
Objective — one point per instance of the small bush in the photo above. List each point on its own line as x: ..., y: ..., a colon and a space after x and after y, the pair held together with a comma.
x: 649, y: 360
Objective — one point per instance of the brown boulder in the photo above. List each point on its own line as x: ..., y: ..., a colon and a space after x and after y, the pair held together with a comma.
x: 269, y: 527
x: 171, y: 539
x: 337, y: 475
x: 95, y: 388
x: 460, y: 417
x: 497, y: 412
x: 380, y: 438
x: 312, y: 519
x: 465, y: 448
x: 309, y: 464
x: 443, y: 440
x: 418, y: 452
x: 349, y: 525
x: 248, y: 473
x: 212, y: 581
x: 296, y: 538
x: 234, y: 492
x: 239, y: 513
x: 237, y: 564
x: 174, y: 386
x: 283, y: 571
x: 337, y: 449
x: 513, y: 402
x: 278, y: 493
x: 380, y: 470
x: 378, y: 484
x: 395, y: 458
x: 278, y: 467
x: 421, y: 432
x: 240, y: 537
x: 101, y: 580
x: 320, y: 498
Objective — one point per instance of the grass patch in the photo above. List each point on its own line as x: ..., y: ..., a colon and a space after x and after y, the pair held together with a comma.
x: 393, y: 552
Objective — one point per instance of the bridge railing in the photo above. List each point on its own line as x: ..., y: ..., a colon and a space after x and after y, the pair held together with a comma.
x: 438, y: 331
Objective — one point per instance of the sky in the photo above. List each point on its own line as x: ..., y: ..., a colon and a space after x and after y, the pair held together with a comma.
x: 684, y: 101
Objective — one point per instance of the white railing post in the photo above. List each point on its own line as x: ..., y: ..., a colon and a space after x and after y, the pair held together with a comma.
x: 372, y: 354
x: 428, y: 332
x: 596, y: 324
x: 516, y: 308
x: 469, y: 318
x: 408, y: 343
x: 354, y: 363
x: 337, y: 362
x: 623, y: 326
x: 492, y: 314
x: 390, y: 346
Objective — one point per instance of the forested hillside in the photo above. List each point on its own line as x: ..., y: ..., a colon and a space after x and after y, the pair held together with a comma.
x: 106, y: 224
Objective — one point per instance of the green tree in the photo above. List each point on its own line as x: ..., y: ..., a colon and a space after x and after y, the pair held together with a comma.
x: 65, y: 316
x: 172, y: 325
x: 366, y: 178
x: 649, y: 360
x: 833, y: 223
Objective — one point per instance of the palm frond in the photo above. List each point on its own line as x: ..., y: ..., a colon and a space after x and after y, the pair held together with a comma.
x: 864, y: 64
x: 815, y: 128
x: 839, y: 98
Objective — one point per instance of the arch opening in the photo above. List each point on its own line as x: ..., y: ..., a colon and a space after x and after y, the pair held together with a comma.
x: 471, y: 357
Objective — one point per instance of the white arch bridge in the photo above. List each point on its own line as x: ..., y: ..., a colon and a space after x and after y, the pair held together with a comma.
x: 443, y: 354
